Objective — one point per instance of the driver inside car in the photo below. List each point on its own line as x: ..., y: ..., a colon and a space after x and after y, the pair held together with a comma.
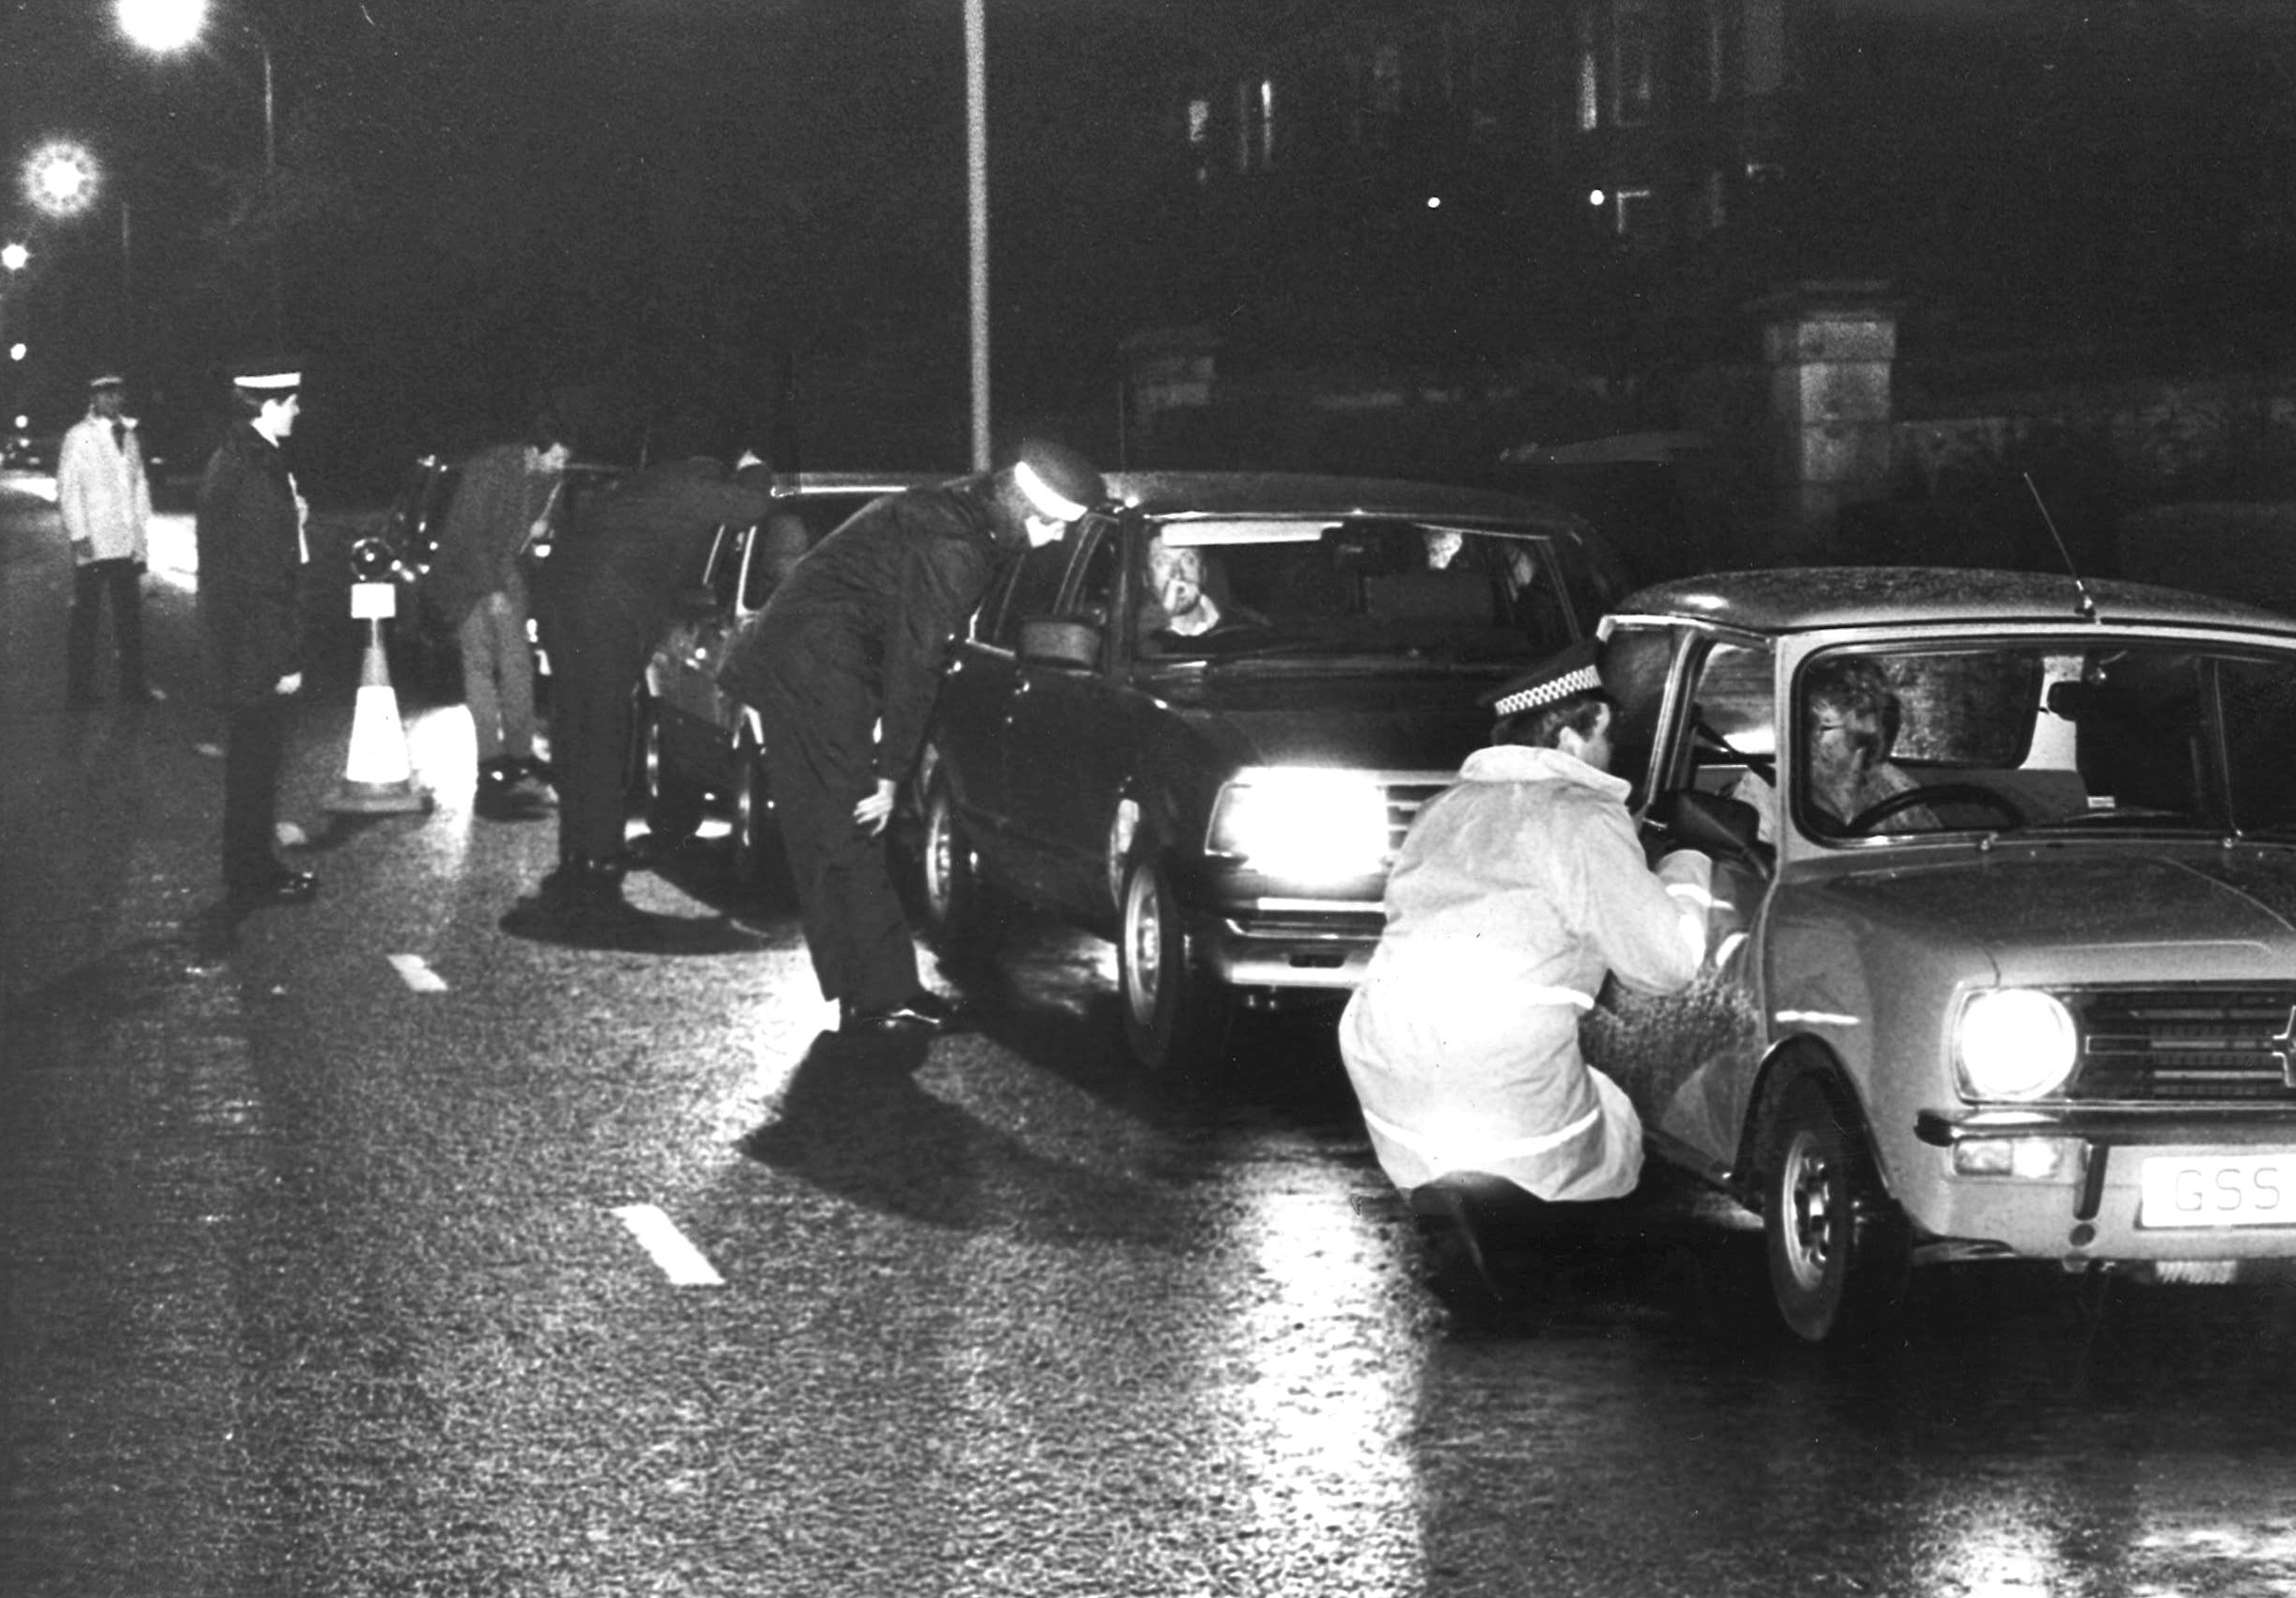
x: 1176, y: 601
x: 1852, y: 717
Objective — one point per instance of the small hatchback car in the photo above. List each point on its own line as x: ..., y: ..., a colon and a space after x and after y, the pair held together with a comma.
x: 697, y: 748
x: 1202, y: 721
x: 2011, y: 967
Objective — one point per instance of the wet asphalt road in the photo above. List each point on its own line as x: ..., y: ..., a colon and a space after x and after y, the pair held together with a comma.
x: 315, y: 1277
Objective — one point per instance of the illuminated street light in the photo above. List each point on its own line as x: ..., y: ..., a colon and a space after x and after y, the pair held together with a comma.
x: 15, y: 258
x: 165, y: 26
x: 60, y: 179
x: 162, y: 24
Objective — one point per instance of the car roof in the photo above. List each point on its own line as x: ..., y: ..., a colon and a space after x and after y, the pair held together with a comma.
x: 791, y: 483
x: 1797, y: 599
x: 1175, y: 494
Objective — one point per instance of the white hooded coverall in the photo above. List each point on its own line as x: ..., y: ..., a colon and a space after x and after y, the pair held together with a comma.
x: 1513, y: 893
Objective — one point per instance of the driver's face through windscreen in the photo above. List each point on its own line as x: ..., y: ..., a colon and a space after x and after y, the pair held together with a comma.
x: 1377, y: 585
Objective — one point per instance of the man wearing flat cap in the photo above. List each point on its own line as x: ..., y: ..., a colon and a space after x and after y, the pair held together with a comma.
x: 1514, y: 893
x: 252, y: 552
x: 105, y: 501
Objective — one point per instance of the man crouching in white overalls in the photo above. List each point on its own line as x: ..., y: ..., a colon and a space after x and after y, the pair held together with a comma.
x: 1517, y: 889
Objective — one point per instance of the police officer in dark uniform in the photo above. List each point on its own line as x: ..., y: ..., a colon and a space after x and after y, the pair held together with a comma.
x: 252, y: 552
x: 843, y: 665
x: 600, y: 601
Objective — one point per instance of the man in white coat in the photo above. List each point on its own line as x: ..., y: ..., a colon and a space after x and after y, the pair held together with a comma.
x: 1516, y: 892
x: 106, y: 504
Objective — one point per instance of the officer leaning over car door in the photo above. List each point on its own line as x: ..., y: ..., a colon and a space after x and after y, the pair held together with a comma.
x: 601, y: 600
x: 1514, y: 893
x: 843, y: 665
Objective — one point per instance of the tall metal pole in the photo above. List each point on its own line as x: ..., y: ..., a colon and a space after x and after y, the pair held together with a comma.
x: 271, y: 189
x: 976, y: 169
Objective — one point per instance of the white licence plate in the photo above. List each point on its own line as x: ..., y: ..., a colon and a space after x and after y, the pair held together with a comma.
x: 2219, y: 1190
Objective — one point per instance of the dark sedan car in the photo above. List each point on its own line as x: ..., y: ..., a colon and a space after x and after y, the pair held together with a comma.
x: 697, y: 748
x: 1202, y: 721
x: 424, y: 656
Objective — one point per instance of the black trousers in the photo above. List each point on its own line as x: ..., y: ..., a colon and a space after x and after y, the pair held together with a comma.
x: 123, y: 579
x: 255, y: 743
x: 821, y: 760
x: 595, y: 662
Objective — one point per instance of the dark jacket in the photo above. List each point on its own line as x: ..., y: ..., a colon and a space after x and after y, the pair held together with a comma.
x: 877, y: 601
x: 250, y: 567
x: 618, y: 566
x: 487, y: 522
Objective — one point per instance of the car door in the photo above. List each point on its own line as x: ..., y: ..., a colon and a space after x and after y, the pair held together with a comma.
x: 971, y: 715
x: 693, y: 640
x: 1696, y: 712
x: 1068, y: 738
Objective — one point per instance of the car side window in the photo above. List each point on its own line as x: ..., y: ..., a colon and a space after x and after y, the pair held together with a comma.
x: 1100, y: 579
x: 1535, y: 604
x: 722, y: 575
x: 1035, y: 589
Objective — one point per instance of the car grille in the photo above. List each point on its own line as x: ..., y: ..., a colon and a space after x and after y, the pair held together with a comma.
x: 1404, y: 801
x: 2181, y: 1045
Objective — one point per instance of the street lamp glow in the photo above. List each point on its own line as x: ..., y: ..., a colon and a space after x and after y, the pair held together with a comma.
x: 15, y: 258
x: 60, y: 179
x: 162, y: 24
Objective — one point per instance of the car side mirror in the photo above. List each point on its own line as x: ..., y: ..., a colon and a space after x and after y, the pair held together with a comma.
x: 1712, y: 822
x: 2067, y: 699
x: 1073, y: 644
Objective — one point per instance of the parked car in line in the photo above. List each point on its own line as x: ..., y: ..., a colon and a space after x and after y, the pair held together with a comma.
x: 1224, y: 801
x: 697, y: 749
x: 2038, y: 1000
x: 424, y: 656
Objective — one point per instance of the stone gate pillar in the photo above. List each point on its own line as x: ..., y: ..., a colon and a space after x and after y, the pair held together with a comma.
x: 1829, y: 347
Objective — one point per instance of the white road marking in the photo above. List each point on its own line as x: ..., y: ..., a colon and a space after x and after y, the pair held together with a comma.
x: 681, y: 1261
x: 417, y: 973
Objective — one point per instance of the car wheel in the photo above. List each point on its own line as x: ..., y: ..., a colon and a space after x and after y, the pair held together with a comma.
x: 948, y: 876
x: 672, y: 801
x: 1836, y: 1259
x: 759, y: 864
x: 1176, y: 1017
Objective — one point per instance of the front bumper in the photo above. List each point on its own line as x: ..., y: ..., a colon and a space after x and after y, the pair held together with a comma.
x: 1280, y: 943
x: 2093, y: 1211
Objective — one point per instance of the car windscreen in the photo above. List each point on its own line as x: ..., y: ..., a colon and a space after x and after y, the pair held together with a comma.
x: 1256, y: 587
x: 2146, y: 733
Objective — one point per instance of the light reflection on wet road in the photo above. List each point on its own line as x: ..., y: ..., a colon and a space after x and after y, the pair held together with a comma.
x: 311, y: 1282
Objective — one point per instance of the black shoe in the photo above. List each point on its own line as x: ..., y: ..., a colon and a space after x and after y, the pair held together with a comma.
x: 1459, y: 1261
x: 286, y: 887
x: 586, y: 888
x: 922, y: 1013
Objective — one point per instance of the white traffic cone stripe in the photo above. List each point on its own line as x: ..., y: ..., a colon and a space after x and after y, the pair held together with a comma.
x: 377, y: 774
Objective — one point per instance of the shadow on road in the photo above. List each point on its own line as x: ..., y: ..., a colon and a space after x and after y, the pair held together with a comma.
x: 855, y: 1122
x: 631, y: 931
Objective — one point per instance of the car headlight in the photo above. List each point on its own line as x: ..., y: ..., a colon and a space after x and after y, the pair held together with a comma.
x: 1302, y: 822
x: 2016, y: 1043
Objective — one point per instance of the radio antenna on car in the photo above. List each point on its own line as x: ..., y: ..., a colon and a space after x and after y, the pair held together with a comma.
x: 2087, y: 605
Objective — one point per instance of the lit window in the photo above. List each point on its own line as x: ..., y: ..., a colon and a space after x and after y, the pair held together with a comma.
x: 1590, y: 89
x: 1255, y: 125
x: 1200, y: 139
x: 1634, y: 212
x: 1635, y: 42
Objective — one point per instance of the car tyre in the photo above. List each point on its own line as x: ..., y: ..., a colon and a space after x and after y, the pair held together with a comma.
x: 1176, y: 1017
x: 950, y: 891
x: 672, y: 801
x: 1835, y: 1251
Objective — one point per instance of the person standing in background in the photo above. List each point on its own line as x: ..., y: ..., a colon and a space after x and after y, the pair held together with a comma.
x: 252, y: 552
x: 479, y: 588
x: 105, y: 501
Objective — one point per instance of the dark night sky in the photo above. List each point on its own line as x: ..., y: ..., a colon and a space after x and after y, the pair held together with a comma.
x: 760, y: 201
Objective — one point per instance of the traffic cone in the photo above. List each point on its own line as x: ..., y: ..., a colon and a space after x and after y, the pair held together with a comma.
x: 378, y: 778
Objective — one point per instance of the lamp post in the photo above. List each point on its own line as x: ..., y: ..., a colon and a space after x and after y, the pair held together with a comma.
x: 976, y: 206
x: 163, y: 26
